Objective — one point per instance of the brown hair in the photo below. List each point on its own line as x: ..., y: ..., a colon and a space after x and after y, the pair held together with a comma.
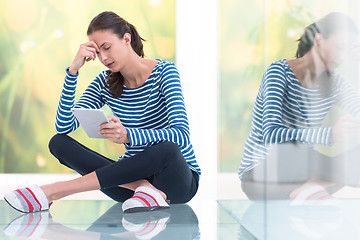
x: 112, y: 21
x: 327, y: 26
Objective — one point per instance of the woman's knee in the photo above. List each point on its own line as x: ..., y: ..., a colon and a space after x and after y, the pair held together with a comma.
x: 162, y: 154
x: 57, y: 144
x: 170, y: 149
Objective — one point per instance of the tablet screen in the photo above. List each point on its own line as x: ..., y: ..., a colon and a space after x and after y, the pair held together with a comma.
x: 90, y: 120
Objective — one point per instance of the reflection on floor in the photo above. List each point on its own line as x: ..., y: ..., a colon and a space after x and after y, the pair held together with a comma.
x: 236, y: 219
x: 99, y: 220
x: 334, y: 219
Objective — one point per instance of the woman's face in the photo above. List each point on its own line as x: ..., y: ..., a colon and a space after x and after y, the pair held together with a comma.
x: 112, y: 50
x: 334, y: 49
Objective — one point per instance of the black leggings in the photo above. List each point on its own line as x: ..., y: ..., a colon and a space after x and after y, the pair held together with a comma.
x: 163, y: 165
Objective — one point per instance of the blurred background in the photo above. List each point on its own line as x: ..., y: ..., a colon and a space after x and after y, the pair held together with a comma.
x: 39, y: 39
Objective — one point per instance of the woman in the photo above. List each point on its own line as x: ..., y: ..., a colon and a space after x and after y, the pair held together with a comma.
x: 294, y: 98
x: 150, y: 120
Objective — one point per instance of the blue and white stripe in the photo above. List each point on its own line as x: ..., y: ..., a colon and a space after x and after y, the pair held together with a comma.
x: 151, y: 113
x: 285, y: 110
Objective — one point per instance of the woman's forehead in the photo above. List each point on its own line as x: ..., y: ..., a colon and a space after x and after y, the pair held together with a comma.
x: 102, y: 35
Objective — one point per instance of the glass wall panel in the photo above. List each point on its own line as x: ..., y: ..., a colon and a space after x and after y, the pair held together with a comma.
x: 253, y: 35
x: 290, y: 116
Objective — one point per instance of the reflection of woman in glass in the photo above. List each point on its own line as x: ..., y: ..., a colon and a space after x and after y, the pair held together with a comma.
x: 178, y: 222
x: 295, y: 96
x: 150, y: 119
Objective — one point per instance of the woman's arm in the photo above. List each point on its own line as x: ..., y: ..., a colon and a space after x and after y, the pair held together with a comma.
x: 65, y: 119
x: 272, y: 90
x: 91, y: 98
x: 178, y: 127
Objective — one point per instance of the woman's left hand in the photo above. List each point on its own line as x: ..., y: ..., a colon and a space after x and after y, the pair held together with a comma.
x: 114, y: 131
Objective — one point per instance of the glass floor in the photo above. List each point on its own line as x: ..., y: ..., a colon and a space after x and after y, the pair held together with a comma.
x: 222, y: 219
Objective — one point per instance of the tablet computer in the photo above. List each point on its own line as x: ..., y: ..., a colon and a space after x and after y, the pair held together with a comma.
x: 90, y: 120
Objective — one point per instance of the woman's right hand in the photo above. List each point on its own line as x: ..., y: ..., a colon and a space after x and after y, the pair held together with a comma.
x: 86, y: 52
x: 345, y: 129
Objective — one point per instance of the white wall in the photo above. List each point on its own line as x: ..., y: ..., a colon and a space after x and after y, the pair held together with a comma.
x: 196, y: 59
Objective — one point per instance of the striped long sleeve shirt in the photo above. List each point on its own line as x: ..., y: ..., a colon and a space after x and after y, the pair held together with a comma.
x: 152, y: 113
x: 285, y: 110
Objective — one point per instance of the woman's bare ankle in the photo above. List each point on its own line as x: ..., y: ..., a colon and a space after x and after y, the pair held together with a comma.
x: 45, y: 189
x: 50, y: 194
